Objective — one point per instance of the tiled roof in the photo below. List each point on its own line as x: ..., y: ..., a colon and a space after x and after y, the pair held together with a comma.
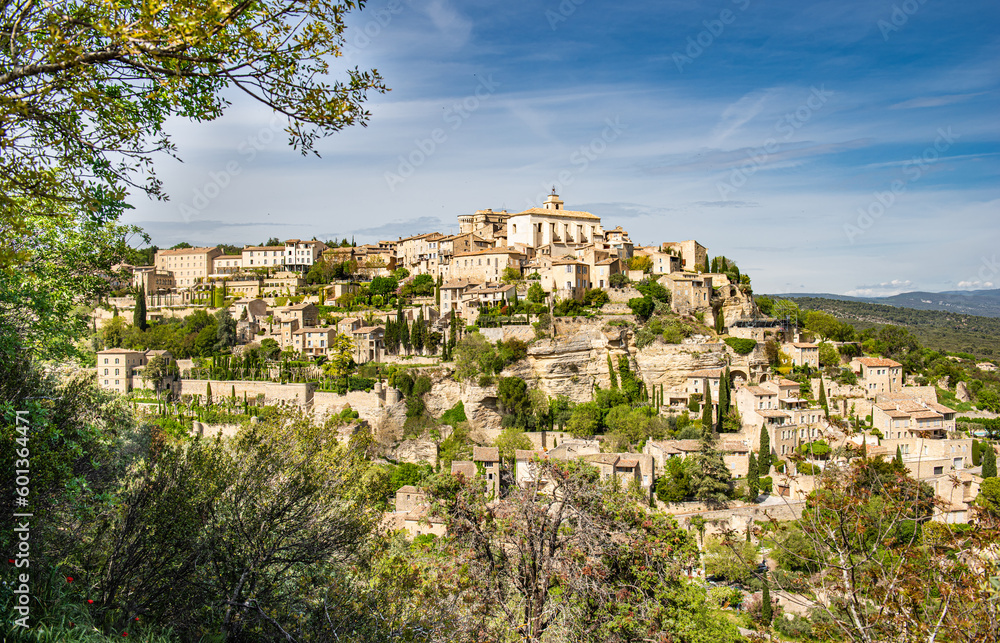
x: 771, y: 413
x: 485, y: 454
x: 877, y: 362
x: 184, y: 251
x: 466, y: 468
x: 564, y: 214
x: 706, y: 372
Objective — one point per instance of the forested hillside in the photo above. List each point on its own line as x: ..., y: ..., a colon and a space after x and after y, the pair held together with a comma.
x: 943, y: 331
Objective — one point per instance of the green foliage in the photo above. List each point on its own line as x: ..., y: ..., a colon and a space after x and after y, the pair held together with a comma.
x: 454, y: 415
x: 674, y: 485
x: 989, y: 462
x: 640, y: 262
x: 753, y: 479
x: 585, y: 420
x: 734, y: 560
x: 741, y: 346
x: 654, y: 290
x: 618, y: 280
x: 989, y: 496
x: 82, y: 131
x: 535, y: 293
x: 512, y: 400
x: 764, y: 451
x: 511, y: 440
x: 642, y: 307
x: 595, y: 297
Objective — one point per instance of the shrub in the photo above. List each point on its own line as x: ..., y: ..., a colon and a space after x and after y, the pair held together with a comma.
x: 454, y: 415
x: 642, y: 307
x: 741, y: 346
x: 422, y: 385
x: 794, y: 626
x: 725, y: 596
x: 766, y: 484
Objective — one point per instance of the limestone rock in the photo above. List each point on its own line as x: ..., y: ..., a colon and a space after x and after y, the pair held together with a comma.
x: 962, y: 392
x: 943, y: 383
x: 569, y: 365
x: 416, y: 451
x: 669, y: 364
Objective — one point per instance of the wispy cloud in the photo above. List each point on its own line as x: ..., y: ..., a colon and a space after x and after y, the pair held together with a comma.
x: 886, y: 289
x: 402, y: 228
x: 934, y: 101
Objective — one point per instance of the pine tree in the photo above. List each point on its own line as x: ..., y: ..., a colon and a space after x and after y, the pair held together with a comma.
x: 753, y: 479
x: 706, y: 409
x: 766, y: 609
x: 611, y: 373
x: 764, y: 457
x: 989, y: 461
x: 139, y: 315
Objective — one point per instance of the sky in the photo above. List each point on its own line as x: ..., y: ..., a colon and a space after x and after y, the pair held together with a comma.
x: 848, y: 147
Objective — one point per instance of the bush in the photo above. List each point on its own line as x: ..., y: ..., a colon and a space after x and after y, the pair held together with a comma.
x: 641, y: 307
x: 807, y: 469
x: 794, y: 626
x: 741, y: 346
x: 725, y: 596
x: 766, y: 484
x: 422, y: 385
x: 454, y: 415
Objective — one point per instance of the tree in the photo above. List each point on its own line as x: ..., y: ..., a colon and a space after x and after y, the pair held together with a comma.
x: 510, y: 275
x: 828, y: 354
x: 225, y: 329
x: 725, y: 391
x: 786, y: 308
x: 473, y: 356
x: 710, y: 477
x: 155, y: 370
x: 90, y: 88
x: 339, y: 361
x: 139, y: 315
x: 822, y: 398
x: 766, y: 608
x: 764, y: 452
x: 572, y: 564
x: 733, y: 560
x: 641, y: 262
x: 674, y: 484
x: 585, y: 420
x: 989, y: 461
x: 535, y: 293
x: 383, y: 286
x: 611, y: 373
x: 642, y: 307
x: 753, y: 479
x: 618, y: 280
x: 512, y: 399
x: 509, y: 441
x: 706, y: 409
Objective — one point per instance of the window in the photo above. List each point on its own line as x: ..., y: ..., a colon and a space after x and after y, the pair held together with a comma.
x: 938, y: 470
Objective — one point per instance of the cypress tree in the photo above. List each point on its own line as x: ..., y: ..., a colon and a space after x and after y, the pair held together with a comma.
x: 715, y: 264
x: 989, y: 462
x: 753, y: 479
x: 766, y: 609
x: 208, y: 393
x: 706, y: 267
x: 898, y: 460
x: 976, y: 454
x: 611, y: 373
x: 764, y: 457
x: 706, y: 409
x: 822, y: 398
x: 139, y: 315
x: 724, y: 396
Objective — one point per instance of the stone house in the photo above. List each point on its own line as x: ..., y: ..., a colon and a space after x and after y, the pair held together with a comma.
x: 313, y: 341
x: 877, y: 375
x: 120, y: 369
x: 266, y: 257
x: 487, y: 460
x: 369, y: 344
x: 551, y: 223
x: 802, y: 353
x: 485, y: 265
x: 189, y: 266
x: 300, y: 255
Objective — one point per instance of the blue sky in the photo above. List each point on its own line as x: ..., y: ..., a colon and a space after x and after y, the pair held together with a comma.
x: 848, y: 147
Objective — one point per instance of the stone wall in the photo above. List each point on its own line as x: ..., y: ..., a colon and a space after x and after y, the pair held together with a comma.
x: 524, y: 332
x: 368, y: 405
x: 718, y: 521
x: 273, y: 392
x: 622, y: 295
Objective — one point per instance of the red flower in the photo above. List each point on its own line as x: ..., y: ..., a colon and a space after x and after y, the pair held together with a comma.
x: 10, y: 560
x: 90, y: 601
x: 124, y: 633
x: 69, y: 579
x: 137, y: 618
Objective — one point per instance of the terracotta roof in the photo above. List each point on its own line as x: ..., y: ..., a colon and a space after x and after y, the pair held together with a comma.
x: 733, y: 446
x: 876, y: 362
x: 465, y: 467
x: 504, y: 250
x: 603, y: 458
x: 276, y: 248
x: 564, y: 214
x: 758, y: 391
x: 184, y: 251
x: 706, y: 372
x: 627, y: 463
x: 459, y: 283
x: 408, y: 488
x: 485, y: 454
x: 301, y: 306
x: 771, y: 413
x: 783, y: 382
x: 364, y: 330
x: 527, y: 454
x: 804, y: 345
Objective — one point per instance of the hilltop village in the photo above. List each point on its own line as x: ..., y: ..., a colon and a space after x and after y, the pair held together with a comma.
x: 528, y: 337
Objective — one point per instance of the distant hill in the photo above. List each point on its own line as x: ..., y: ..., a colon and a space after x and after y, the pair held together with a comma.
x: 940, y: 330
x: 985, y: 303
